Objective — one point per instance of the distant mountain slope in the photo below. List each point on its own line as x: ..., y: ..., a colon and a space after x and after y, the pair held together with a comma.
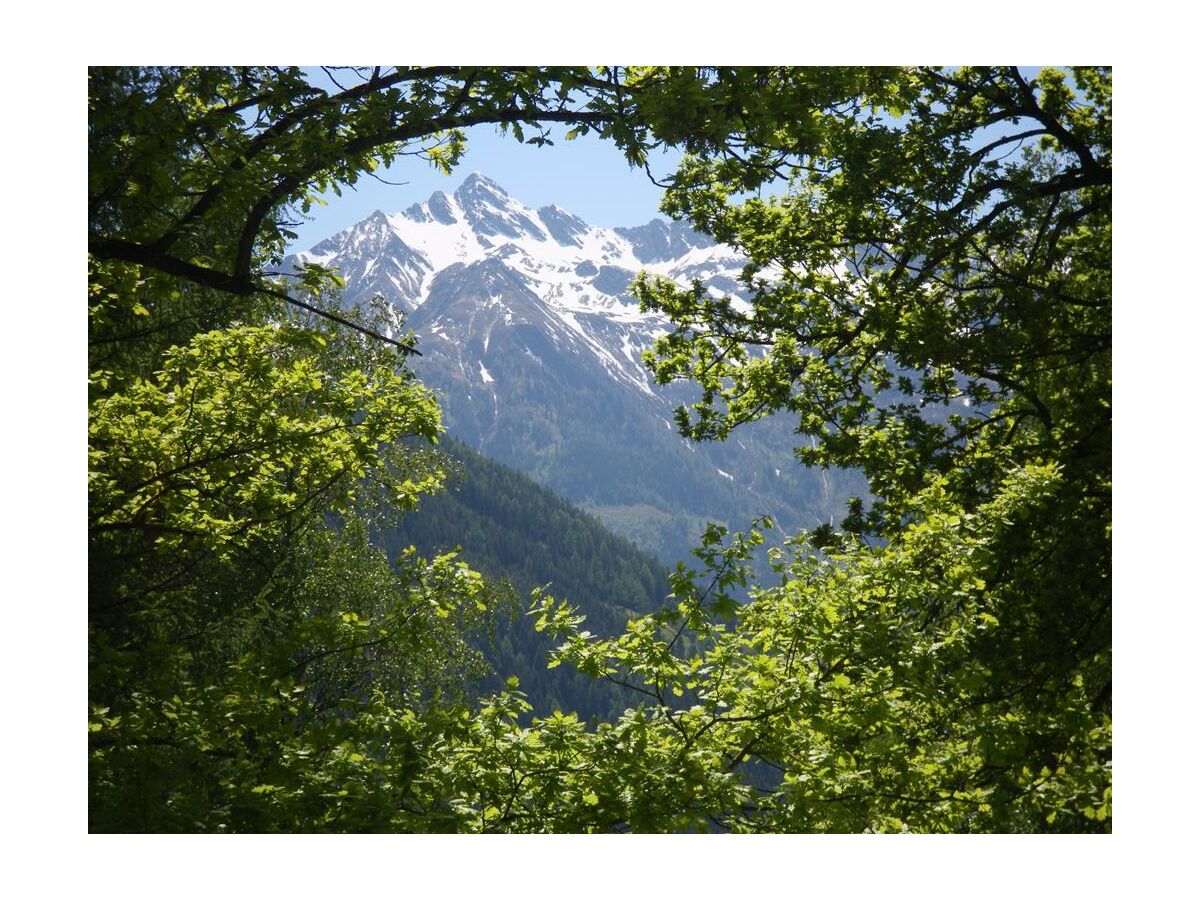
x: 528, y: 335
x: 511, y: 528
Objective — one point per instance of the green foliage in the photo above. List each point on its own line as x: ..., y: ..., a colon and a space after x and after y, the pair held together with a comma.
x: 291, y: 713
x: 245, y: 647
x: 871, y: 689
x: 944, y: 665
x: 956, y: 249
x: 253, y: 661
x: 932, y: 304
x: 222, y: 442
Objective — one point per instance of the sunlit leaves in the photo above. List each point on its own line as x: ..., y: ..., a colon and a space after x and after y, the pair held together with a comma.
x: 926, y: 249
x: 235, y: 432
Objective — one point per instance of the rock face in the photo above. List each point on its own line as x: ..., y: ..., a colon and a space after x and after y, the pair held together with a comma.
x: 529, y: 335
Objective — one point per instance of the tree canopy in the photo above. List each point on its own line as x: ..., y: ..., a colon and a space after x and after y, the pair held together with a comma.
x: 248, y: 646
x: 932, y: 303
x: 930, y: 263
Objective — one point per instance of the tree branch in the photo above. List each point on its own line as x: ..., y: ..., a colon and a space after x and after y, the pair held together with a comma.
x: 148, y: 256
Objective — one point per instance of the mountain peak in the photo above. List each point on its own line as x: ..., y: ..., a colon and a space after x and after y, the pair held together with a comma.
x: 477, y: 183
x: 575, y: 267
x: 492, y: 212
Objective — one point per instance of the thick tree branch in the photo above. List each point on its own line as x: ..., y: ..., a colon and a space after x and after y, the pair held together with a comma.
x: 141, y: 254
x: 280, y: 127
x: 296, y: 179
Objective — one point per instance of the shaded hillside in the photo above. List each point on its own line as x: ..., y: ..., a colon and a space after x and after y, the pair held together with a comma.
x: 511, y: 528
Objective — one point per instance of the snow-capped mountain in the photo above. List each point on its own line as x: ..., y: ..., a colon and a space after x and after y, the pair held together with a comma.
x: 579, y: 271
x: 526, y: 328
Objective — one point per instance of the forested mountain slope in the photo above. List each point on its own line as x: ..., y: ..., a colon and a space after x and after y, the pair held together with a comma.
x: 508, y: 527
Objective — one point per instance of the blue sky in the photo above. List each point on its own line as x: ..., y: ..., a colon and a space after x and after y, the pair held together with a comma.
x: 587, y: 176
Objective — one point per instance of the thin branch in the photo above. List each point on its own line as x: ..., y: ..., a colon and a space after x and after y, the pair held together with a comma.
x: 385, y: 181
